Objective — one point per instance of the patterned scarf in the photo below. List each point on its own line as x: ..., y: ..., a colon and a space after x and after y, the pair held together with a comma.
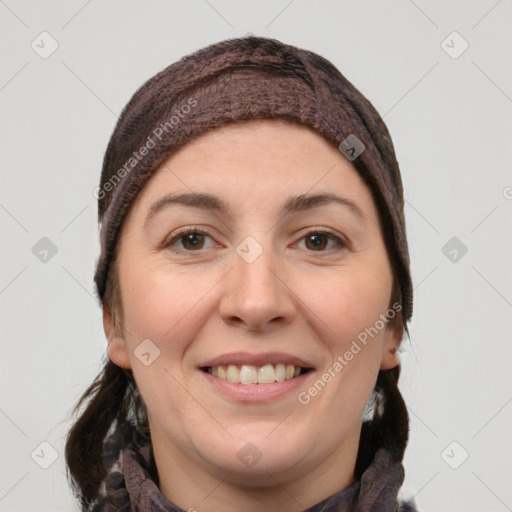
x: 131, y: 484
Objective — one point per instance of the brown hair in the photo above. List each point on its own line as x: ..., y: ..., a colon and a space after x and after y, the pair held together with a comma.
x: 113, y: 397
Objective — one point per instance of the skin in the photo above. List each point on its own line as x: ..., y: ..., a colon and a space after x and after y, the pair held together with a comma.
x: 296, y: 297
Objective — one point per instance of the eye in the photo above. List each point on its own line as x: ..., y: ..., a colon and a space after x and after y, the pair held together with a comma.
x: 191, y: 239
x: 318, y: 239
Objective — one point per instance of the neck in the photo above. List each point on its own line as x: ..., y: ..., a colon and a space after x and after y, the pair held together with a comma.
x: 209, y: 489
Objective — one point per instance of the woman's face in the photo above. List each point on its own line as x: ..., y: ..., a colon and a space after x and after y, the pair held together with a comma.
x: 236, y: 262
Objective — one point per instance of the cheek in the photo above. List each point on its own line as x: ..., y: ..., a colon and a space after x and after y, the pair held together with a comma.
x: 164, y: 306
x: 346, y: 309
x: 349, y: 302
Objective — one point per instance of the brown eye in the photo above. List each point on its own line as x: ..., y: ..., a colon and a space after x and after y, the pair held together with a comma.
x: 187, y: 241
x: 192, y: 241
x: 316, y: 241
x: 319, y: 240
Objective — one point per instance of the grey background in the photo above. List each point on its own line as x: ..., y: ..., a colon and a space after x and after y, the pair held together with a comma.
x: 451, y: 124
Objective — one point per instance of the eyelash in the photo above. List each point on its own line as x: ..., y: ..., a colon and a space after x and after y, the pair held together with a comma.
x: 168, y: 244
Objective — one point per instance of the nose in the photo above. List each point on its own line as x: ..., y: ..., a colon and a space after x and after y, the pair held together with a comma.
x: 257, y: 296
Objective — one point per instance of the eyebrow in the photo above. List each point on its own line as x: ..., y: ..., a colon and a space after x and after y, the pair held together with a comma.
x: 204, y: 201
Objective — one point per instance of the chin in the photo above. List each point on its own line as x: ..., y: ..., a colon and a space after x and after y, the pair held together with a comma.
x: 256, y: 459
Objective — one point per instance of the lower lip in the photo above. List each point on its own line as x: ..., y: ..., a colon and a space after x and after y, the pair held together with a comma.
x: 257, y: 392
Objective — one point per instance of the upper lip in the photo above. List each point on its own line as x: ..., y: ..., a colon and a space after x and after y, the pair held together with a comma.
x: 261, y: 359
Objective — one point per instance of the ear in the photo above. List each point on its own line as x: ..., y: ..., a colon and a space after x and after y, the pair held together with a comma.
x: 390, y: 345
x: 117, y: 345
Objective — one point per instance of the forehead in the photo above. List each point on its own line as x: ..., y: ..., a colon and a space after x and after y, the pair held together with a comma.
x: 258, y: 162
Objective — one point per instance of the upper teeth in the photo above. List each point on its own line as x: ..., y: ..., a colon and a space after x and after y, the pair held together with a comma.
x: 248, y: 374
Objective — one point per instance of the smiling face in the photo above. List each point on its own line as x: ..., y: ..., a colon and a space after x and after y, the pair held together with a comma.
x: 254, y: 253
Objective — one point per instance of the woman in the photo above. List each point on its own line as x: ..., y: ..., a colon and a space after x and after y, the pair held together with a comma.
x: 254, y: 279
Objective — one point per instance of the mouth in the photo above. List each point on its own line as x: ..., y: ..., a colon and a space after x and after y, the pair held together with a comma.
x: 249, y: 374
x: 245, y: 377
